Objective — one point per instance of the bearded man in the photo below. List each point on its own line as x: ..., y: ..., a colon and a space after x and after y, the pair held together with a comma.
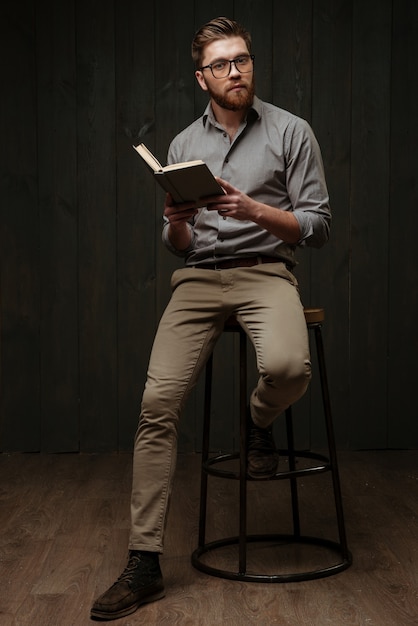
x: 239, y: 253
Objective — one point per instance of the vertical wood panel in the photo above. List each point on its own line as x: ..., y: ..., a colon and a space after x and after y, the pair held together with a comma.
x: 97, y: 224
x: 331, y: 120
x: 403, y: 258
x: 58, y: 225
x: 135, y: 92
x: 292, y: 56
x: 19, y: 233
x: 369, y: 223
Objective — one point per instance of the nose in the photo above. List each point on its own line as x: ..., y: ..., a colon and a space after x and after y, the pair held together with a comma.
x: 233, y: 70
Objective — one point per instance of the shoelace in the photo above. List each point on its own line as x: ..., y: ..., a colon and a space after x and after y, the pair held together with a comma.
x: 128, y: 574
x: 260, y: 439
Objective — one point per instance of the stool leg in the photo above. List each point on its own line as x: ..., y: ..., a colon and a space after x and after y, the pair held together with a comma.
x: 243, y: 453
x: 292, y: 468
x: 331, y: 442
x: 205, y: 451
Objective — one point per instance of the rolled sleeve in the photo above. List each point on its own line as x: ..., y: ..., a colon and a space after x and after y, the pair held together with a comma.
x: 306, y: 185
x: 168, y: 244
x: 314, y: 228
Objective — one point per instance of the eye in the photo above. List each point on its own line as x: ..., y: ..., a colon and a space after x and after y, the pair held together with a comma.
x: 242, y: 60
x: 219, y: 65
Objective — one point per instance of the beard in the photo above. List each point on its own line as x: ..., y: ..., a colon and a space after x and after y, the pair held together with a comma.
x: 234, y: 101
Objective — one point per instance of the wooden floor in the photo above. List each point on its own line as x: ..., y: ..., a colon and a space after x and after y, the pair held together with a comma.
x: 64, y: 523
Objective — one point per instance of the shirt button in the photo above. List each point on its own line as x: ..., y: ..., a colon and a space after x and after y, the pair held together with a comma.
x: 226, y: 160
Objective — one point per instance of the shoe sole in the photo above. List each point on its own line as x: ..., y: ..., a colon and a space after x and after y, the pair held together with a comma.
x: 100, y: 615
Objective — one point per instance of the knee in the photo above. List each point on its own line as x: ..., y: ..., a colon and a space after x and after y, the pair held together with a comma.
x: 158, y: 409
x: 291, y: 371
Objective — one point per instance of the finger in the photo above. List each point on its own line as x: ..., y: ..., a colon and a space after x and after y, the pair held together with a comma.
x: 211, y: 200
x: 218, y: 206
x: 169, y: 202
x: 225, y: 185
x: 181, y: 216
x: 184, y: 206
x: 224, y: 208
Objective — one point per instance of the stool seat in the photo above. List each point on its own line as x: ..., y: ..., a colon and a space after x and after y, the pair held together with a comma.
x: 314, y: 316
x: 301, y: 464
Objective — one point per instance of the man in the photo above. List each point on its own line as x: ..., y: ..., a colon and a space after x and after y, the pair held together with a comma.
x: 239, y: 252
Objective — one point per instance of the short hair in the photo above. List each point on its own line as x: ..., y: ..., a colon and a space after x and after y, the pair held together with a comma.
x: 218, y: 28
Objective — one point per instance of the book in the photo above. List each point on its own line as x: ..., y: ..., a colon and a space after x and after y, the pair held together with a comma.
x: 188, y: 181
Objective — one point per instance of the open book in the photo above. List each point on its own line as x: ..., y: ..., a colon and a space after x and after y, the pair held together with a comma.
x: 189, y: 181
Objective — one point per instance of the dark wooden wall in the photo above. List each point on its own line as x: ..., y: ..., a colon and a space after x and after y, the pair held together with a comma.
x: 84, y: 276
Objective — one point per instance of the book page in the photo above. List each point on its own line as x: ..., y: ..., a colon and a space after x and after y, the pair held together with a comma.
x: 179, y: 166
x: 148, y: 157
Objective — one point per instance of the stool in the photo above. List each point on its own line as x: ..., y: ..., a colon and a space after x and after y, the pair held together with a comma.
x: 316, y: 464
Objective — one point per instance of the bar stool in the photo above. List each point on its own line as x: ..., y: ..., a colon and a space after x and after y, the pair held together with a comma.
x: 338, y: 556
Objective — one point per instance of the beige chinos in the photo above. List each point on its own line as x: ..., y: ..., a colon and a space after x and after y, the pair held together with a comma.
x: 266, y: 300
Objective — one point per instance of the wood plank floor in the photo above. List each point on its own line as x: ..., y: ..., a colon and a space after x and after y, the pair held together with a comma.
x: 64, y: 523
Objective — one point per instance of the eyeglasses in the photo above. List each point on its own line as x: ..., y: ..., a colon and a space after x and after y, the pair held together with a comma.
x: 222, y: 68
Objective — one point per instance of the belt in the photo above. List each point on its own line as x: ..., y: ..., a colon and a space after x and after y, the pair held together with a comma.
x: 249, y: 261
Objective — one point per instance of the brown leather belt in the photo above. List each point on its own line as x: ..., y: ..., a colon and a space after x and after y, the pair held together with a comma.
x: 239, y: 262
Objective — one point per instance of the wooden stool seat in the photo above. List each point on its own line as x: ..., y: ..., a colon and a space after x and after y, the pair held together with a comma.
x: 314, y: 316
x: 317, y: 464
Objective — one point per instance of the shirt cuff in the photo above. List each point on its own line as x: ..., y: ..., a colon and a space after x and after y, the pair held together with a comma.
x: 169, y: 246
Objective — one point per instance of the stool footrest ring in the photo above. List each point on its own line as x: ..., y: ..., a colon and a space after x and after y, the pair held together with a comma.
x: 325, y: 466
x: 286, y: 539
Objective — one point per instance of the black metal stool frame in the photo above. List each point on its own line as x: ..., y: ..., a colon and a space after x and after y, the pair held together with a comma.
x: 324, y: 464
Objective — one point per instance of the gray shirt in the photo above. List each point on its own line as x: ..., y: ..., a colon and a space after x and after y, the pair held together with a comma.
x: 275, y: 159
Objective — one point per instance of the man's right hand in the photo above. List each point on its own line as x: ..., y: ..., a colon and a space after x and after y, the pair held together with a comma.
x: 178, y: 216
x: 180, y: 212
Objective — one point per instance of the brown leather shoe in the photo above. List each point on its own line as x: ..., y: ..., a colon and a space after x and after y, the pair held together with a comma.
x: 140, y: 582
x: 262, y: 456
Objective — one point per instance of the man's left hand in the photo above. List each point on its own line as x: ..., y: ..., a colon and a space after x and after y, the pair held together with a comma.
x: 234, y: 203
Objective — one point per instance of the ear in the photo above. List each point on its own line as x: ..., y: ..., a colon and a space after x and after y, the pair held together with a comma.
x: 201, y: 80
